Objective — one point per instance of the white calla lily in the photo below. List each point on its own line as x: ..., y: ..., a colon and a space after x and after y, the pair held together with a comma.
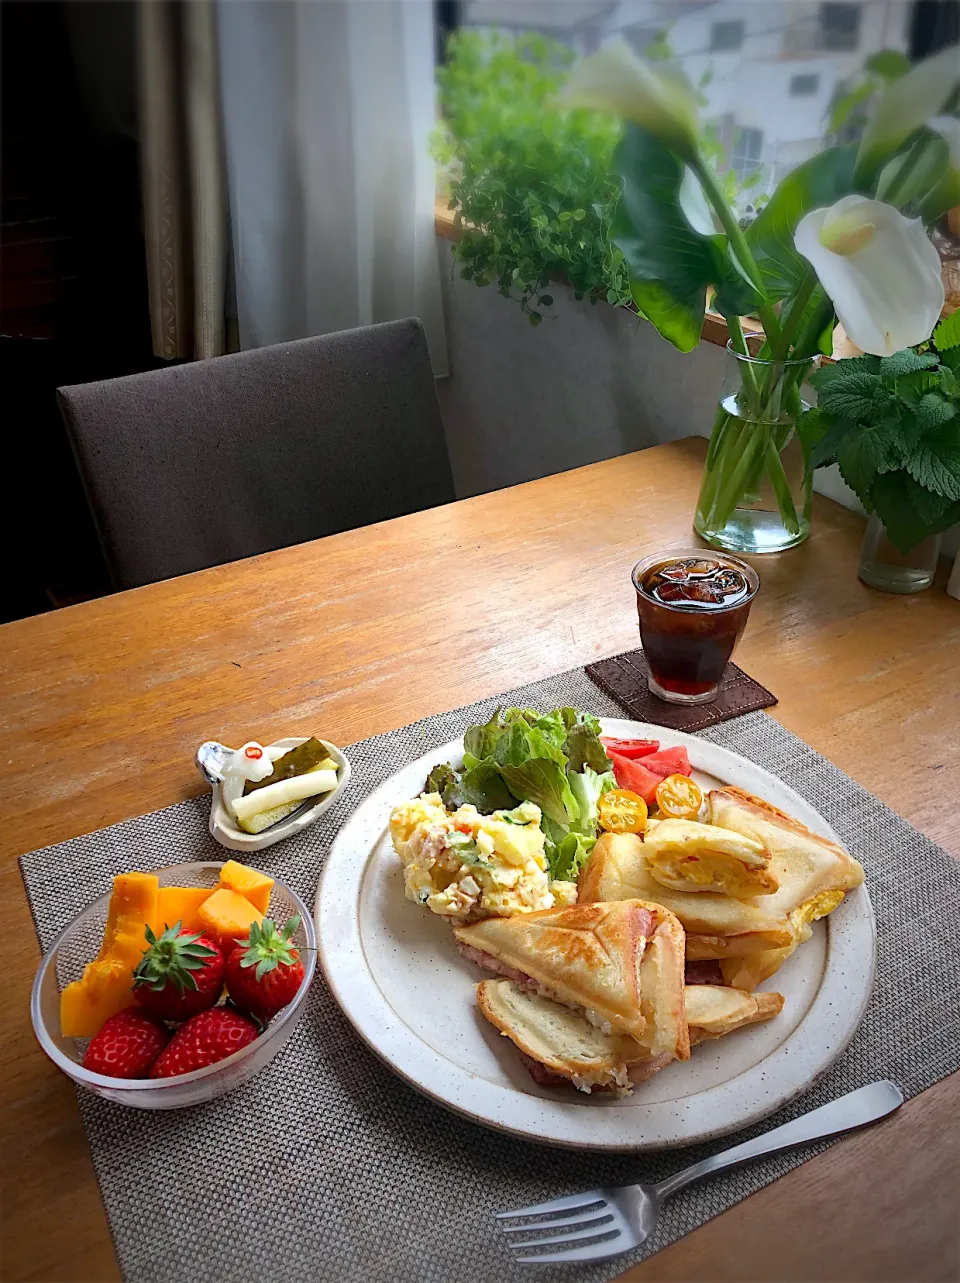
x: 879, y: 269
x: 905, y: 106
x: 659, y: 99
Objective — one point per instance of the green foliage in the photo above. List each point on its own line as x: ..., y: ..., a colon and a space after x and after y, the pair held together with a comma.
x: 533, y: 184
x: 893, y: 427
x: 818, y: 182
x: 851, y: 105
x: 670, y: 263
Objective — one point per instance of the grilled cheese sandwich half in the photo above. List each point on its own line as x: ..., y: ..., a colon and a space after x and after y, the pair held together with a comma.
x: 619, y: 966
x: 560, y: 1047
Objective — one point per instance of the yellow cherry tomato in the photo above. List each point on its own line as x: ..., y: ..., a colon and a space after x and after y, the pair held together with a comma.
x: 679, y: 798
x: 621, y: 811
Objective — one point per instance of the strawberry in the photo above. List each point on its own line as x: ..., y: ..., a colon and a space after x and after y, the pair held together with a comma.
x: 180, y: 974
x: 207, y: 1037
x: 127, y: 1044
x: 264, y: 972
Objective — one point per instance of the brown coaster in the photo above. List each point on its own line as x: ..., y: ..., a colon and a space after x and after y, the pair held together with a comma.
x: 624, y: 679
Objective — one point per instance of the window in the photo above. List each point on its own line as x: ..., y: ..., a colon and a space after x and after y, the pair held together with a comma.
x: 725, y: 36
x: 745, y: 155
x: 804, y: 86
x: 839, y: 27
x: 641, y: 38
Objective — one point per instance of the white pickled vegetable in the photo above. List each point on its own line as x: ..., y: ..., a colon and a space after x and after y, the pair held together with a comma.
x: 295, y: 789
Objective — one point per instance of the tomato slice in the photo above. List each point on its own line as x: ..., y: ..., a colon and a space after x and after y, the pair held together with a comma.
x: 679, y: 798
x: 629, y: 748
x: 621, y: 811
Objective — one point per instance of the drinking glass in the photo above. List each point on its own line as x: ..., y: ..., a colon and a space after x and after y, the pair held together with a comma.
x: 688, y: 643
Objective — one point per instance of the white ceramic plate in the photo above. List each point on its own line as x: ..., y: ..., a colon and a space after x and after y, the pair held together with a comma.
x: 396, y: 972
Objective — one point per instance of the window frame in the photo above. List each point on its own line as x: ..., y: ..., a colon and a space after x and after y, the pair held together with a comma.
x: 739, y: 24
x: 834, y: 39
x: 811, y: 77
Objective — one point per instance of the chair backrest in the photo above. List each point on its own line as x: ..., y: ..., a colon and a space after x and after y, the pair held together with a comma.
x: 204, y: 463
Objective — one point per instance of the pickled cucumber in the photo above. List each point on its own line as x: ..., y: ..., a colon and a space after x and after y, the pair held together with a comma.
x: 305, y: 757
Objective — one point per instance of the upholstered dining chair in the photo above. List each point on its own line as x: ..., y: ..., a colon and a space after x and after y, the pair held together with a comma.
x: 199, y: 464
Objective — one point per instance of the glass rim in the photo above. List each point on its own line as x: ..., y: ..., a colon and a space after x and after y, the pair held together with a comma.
x: 676, y: 554
x: 763, y: 360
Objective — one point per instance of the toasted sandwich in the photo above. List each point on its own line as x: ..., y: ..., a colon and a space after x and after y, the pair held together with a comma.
x: 750, y: 938
x: 685, y: 855
x: 814, y: 875
x: 560, y: 1047
x: 619, y: 966
x: 618, y: 869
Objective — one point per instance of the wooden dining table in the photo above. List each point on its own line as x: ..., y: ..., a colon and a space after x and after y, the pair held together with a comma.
x: 104, y: 703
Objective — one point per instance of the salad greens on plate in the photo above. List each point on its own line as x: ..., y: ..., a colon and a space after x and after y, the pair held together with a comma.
x: 555, y: 760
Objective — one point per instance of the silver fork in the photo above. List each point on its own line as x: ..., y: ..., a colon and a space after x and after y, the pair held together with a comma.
x: 630, y: 1212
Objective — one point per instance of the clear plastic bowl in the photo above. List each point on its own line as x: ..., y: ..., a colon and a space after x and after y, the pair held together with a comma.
x: 80, y: 943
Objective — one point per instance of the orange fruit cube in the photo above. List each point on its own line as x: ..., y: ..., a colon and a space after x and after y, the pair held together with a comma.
x: 227, y: 915
x: 250, y: 883
x: 181, y: 904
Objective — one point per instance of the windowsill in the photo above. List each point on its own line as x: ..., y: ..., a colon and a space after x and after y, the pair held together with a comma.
x: 714, y: 326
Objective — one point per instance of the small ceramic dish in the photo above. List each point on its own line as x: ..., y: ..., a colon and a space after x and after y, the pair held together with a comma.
x: 65, y: 959
x: 210, y: 759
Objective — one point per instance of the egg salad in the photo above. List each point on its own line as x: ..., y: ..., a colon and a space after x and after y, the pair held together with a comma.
x: 465, y: 865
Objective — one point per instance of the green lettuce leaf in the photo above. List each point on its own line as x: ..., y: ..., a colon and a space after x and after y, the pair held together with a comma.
x: 567, y: 858
x: 588, y: 786
x: 484, y: 787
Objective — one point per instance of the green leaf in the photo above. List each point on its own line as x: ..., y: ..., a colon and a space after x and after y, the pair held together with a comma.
x: 567, y: 858
x: 915, y: 172
x: 851, y: 397
x: 670, y: 264
x: 933, y: 411
x: 534, y: 318
x: 890, y: 64
x: 902, y: 504
x: 906, y: 362
x: 947, y: 333
x: 484, y: 788
x: 847, y: 103
x: 935, y: 463
x: 912, y: 388
x: 827, y: 374
x: 820, y: 181
x: 863, y: 455
x: 824, y: 449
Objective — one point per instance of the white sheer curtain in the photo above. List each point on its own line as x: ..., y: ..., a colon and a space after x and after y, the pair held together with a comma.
x: 327, y: 110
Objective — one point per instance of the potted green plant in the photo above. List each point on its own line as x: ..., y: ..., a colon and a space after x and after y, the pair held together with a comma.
x: 842, y: 237
x: 892, y: 425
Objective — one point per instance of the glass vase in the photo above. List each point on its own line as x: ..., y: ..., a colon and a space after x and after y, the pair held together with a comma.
x: 756, y: 494
x: 884, y: 566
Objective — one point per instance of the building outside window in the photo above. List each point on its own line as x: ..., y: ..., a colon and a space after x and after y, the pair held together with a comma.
x: 839, y: 27
x: 746, y: 151
x: 726, y: 36
x: 804, y: 86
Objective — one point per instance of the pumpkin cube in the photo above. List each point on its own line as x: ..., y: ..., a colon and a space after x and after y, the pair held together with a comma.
x: 227, y: 915
x: 181, y: 904
x: 250, y: 883
x: 133, y: 907
x: 87, y: 1004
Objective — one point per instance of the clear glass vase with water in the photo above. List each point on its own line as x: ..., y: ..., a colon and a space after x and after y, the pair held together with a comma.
x: 756, y: 493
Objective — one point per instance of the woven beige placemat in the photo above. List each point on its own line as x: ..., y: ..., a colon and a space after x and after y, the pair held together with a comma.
x: 327, y: 1167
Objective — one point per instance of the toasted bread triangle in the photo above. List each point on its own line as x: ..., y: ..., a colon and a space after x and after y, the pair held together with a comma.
x: 587, y: 955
